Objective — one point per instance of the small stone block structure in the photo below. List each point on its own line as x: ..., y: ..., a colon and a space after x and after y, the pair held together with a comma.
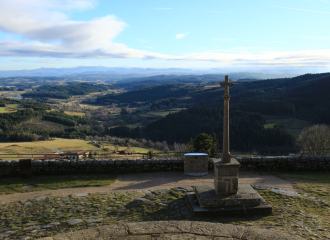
x: 196, y: 164
x: 25, y: 166
x: 226, y: 176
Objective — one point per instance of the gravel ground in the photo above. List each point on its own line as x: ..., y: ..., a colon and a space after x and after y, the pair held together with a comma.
x: 44, y: 216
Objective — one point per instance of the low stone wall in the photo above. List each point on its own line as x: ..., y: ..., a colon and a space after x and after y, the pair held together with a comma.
x: 283, y: 163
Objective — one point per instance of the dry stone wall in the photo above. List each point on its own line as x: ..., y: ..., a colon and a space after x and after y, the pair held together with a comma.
x: 283, y: 163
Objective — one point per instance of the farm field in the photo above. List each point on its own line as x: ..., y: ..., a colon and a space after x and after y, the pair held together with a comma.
x: 297, y: 125
x: 277, y: 121
x: 20, y: 150
x: 80, y: 114
x: 10, y: 108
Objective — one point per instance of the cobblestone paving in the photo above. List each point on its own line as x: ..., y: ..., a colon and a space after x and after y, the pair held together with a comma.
x: 48, y: 216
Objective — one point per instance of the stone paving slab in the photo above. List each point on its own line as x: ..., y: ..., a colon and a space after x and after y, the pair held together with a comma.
x: 263, y: 209
x: 174, y: 230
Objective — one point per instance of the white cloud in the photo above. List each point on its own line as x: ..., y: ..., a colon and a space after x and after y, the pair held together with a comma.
x: 224, y: 50
x: 244, y: 48
x: 181, y: 35
x: 47, y: 32
x: 294, y: 58
x: 43, y: 30
x: 298, y: 9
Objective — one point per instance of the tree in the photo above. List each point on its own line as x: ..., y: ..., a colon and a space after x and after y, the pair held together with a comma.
x: 150, y: 154
x: 215, y: 146
x: 315, y: 139
x: 123, y: 111
x: 205, y: 143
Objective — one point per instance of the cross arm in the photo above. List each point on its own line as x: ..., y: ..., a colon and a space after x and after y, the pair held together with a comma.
x: 226, y: 83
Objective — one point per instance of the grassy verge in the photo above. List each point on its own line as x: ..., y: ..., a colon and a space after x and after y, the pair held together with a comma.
x: 316, y: 184
x: 14, y: 185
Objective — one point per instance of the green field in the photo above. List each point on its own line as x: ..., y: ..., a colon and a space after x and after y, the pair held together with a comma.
x: 297, y: 126
x: 80, y: 114
x: 269, y: 125
x: 278, y: 121
x: 2, y: 109
x: 294, y: 129
x: 15, y: 105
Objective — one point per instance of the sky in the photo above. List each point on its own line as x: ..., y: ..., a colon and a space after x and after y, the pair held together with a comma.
x: 193, y: 34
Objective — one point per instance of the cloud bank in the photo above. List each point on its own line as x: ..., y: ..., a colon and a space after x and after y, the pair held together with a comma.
x: 39, y: 28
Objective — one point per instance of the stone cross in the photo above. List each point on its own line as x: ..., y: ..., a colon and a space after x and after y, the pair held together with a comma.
x: 225, y: 152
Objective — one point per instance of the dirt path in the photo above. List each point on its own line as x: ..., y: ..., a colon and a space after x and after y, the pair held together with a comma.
x: 151, y: 181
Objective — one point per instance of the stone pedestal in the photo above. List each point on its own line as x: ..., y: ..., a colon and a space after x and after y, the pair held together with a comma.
x: 226, y: 177
x: 196, y: 164
x: 226, y: 198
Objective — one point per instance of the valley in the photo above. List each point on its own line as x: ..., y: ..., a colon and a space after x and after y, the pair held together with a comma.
x: 163, y: 108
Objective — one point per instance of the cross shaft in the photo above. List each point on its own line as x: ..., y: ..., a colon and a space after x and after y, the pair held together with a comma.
x: 225, y: 145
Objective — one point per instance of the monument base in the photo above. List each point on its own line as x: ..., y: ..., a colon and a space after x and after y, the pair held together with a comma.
x: 246, y: 196
x: 205, y: 202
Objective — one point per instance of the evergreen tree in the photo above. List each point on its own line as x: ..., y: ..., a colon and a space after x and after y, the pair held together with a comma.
x: 215, y: 146
x: 205, y: 143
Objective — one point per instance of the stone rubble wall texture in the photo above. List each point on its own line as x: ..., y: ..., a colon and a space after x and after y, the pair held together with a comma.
x: 282, y: 163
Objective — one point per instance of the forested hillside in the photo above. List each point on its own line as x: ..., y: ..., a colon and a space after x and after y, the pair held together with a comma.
x: 12, y: 124
x: 150, y: 94
x: 66, y: 91
x: 246, y: 128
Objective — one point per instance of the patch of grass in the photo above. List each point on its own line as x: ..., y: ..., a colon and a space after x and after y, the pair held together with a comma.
x: 14, y: 185
x: 80, y: 114
x: 297, y: 126
x: 15, y: 105
x: 298, y: 123
x: 2, y: 109
x: 284, y: 121
x: 315, y: 184
x: 269, y: 125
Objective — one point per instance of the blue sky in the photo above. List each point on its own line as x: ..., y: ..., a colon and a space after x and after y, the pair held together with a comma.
x: 162, y: 34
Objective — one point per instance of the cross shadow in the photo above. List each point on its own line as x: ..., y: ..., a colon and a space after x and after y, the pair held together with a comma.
x: 161, y: 180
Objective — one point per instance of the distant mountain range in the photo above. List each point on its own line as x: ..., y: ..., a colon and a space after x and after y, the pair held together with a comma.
x: 238, y: 73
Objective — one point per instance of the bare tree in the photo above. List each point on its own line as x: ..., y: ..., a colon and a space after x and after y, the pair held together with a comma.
x: 315, y: 139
